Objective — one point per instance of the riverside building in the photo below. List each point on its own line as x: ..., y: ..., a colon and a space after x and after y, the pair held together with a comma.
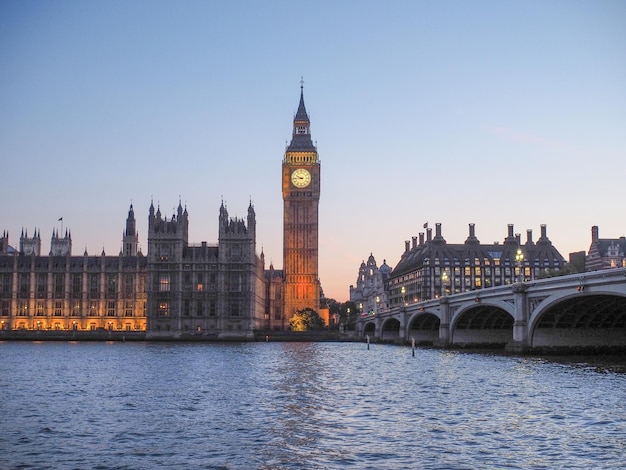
x: 370, y: 292
x: 605, y: 253
x: 431, y: 267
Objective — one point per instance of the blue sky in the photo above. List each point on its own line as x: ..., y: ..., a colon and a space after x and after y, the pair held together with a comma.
x: 453, y: 112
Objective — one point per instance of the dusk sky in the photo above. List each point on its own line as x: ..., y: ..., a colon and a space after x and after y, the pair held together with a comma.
x: 457, y: 112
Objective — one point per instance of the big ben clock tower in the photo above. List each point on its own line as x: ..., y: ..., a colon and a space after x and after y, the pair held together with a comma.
x: 301, y: 195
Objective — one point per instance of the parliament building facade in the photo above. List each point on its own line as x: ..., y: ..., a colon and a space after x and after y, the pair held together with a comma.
x: 178, y: 289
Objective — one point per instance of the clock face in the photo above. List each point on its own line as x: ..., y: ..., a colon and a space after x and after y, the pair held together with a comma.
x: 301, y: 178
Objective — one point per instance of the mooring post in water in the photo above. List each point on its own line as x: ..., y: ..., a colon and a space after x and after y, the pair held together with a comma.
x: 368, y: 342
x: 413, y: 346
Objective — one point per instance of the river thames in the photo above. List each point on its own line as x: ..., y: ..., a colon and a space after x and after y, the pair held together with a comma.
x: 302, y: 405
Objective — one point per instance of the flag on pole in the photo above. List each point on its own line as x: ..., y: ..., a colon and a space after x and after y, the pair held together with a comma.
x: 60, y: 219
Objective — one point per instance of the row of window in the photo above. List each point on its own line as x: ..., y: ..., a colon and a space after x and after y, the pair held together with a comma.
x: 234, y: 282
x: 76, y: 310
x: 76, y: 283
x: 164, y: 309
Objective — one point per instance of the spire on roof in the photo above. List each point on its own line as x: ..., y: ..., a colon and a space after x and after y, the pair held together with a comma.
x: 301, y: 136
x: 301, y: 114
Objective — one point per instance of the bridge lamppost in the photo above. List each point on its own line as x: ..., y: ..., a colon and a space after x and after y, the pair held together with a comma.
x: 444, y: 281
x: 519, y: 259
x: 403, y: 292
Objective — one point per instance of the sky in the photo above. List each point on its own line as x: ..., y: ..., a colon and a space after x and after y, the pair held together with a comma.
x: 450, y: 112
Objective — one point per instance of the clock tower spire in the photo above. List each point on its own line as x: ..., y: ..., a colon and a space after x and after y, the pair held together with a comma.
x: 301, y: 195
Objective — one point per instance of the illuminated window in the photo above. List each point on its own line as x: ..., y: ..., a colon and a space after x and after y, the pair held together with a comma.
x: 58, y: 308
x: 164, y: 283
x: 39, y: 309
x: 23, y: 309
x: 164, y: 309
x: 92, y: 309
x: 129, y: 308
x: 111, y: 308
x: 76, y: 309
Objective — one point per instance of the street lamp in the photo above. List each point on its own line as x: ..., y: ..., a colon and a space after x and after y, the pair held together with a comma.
x: 519, y: 259
x: 444, y: 280
x: 403, y: 291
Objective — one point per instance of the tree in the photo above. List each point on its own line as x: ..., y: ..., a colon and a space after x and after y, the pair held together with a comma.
x: 305, y: 320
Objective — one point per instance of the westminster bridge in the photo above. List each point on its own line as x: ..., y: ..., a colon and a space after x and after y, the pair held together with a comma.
x: 585, y: 310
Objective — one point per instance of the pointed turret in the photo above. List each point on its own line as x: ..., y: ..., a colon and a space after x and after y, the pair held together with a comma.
x: 251, y: 218
x: 301, y: 136
x: 130, y: 239
x: 223, y: 215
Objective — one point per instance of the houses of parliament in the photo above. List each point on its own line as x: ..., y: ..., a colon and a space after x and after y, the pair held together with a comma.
x: 179, y: 288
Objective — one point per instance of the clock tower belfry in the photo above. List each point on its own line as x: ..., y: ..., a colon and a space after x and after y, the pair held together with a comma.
x: 301, y: 195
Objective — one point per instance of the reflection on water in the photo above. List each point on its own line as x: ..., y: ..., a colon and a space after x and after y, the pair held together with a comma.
x: 303, y: 405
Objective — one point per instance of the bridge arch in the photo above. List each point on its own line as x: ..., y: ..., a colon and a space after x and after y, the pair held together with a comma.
x: 488, y: 324
x: 424, y: 327
x: 582, y: 319
x: 369, y: 329
x: 390, y: 330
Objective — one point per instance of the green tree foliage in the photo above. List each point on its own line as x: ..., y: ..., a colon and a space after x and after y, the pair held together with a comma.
x: 306, y: 320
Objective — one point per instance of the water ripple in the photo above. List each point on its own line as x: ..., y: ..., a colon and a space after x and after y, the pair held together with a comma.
x: 302, y: 405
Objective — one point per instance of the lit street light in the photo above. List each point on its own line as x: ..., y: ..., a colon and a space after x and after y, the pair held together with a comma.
x: 519, y: 259
x: 444, y: 280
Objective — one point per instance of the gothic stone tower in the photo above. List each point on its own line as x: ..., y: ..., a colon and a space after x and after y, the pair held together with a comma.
x: 301, y: 195
x: 130, y: 238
